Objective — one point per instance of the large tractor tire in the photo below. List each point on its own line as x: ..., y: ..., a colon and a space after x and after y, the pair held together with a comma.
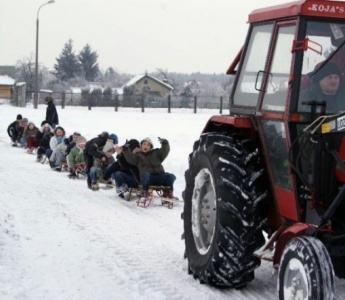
x: 224, y: 210
x: 306, y: 271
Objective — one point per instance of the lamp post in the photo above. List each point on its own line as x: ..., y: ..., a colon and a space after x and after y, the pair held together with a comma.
x: 36, y: 63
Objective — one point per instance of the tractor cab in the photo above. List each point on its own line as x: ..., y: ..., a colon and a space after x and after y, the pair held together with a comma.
x: 293, y: 52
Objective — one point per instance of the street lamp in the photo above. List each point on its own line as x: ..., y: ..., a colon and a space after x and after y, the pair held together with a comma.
x: 36, y: 63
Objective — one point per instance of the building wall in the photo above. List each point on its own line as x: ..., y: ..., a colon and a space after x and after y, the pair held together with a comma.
x: 154, y: 86
x: 5, y: 91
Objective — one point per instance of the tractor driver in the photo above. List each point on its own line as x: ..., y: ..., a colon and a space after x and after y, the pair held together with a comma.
x: 326, y: 86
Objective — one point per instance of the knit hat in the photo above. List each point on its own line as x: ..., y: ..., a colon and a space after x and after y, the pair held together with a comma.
x: 48, y: 99
x: 109, y: 146
x: 147, y: 139
x: 45, y: 122
x: 133, y: 143
x: 80, y: 140
x: 113, y: 137
x: 19, y: 117
x: 25, y: 120
x: 329, y: 68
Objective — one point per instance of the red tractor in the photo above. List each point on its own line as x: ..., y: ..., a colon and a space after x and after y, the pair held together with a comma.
x: 268, y: 180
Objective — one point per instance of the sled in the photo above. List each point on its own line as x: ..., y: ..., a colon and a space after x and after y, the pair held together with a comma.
x: 106, y: 186
x: 156, y: 193
x: 64, y: 166
x: 78, y: 175
x: 43, y: 159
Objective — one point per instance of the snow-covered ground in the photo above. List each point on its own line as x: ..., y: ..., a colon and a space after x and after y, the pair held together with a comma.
x: 60, y: 240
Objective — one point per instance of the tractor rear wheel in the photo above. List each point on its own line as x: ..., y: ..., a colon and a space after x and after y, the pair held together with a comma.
x: 224, y: 213
x: 306, y: 271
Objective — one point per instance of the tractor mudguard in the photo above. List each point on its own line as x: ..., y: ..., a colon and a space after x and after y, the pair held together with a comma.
x: 295, y: 230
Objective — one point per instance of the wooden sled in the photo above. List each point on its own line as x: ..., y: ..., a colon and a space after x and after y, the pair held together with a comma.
x: 153, y: 193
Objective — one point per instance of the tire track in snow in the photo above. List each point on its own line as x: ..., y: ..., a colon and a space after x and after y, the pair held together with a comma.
x: 122, y: 249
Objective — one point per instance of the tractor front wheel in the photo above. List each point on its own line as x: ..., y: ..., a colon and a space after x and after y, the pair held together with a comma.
x: 306, y: 271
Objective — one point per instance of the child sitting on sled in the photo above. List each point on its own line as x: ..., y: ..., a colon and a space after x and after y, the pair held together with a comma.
x: 149, y: 162
x: 76, y: 159
x: 100, y: 165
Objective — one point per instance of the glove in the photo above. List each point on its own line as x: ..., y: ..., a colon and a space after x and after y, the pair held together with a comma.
x: 162, y: 141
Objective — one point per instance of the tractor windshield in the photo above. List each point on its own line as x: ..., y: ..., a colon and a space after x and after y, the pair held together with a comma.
x: 322, y: 84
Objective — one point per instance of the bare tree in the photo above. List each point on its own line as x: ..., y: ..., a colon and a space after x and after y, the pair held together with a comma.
x: 26, y: 72
x: 169, y: 79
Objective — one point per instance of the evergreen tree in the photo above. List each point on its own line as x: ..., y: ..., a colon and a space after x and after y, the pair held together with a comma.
x: 88, y: 63
x: 67, y: 64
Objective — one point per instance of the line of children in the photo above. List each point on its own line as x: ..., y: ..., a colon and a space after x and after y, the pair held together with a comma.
x: 136, y: 164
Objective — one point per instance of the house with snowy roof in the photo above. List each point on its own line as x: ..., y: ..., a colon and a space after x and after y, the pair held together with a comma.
x: 6, y: 86
x: 147, y: 83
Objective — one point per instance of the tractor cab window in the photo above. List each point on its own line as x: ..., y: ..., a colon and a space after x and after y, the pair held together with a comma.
x: 279, y: 72
x: 322, y: 85
x: 250, y: 81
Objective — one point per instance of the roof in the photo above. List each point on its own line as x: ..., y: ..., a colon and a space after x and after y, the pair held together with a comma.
x: 332, y: 9
x: 138, y: 77
x: 6, y: 80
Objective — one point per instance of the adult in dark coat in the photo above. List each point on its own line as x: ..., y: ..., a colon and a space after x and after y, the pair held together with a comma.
x: 326, y: 87
x: 51, y: 113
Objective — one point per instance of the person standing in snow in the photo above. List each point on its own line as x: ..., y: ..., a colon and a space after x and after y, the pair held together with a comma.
x: 51, y: 113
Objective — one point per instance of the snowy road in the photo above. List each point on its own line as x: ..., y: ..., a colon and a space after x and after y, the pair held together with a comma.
x: 61, y: 241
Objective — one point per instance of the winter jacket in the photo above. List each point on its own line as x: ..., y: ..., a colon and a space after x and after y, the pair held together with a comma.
x: 101, y: 166
x: 75, y: 157
x: 51, y: 113
x: 55, y: 141
x: 122, y: 165
x: 92, y: 146
x: 314, y: 93
x: 43, y: 137
x: 150, y: 161
x: 60, y: 150
x: 30, y: 132
x: 13, y: 129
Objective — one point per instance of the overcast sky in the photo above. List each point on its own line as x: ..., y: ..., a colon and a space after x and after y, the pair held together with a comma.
x: 132, y: 36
